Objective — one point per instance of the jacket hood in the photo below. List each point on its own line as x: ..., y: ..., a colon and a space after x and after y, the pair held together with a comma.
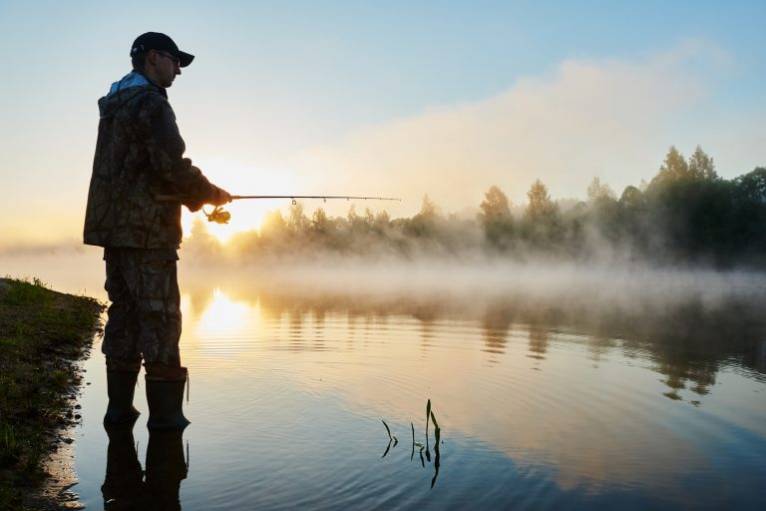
x: 132, y: 79
x: 123, y: 90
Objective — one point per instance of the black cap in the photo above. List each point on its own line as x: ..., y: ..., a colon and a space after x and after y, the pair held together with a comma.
x: 161, y: 42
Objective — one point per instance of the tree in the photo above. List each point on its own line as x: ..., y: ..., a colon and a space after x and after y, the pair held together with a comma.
x: 750, y: 214
x: 424, y: 223
x: 369, y: 217
x: 632, y: 198
x: 319, y: 222
x: 632, y: 211
x: 351, y: 216
x: 382, y: 221
x: 674, y: 165
x: 382, y: 218
x: 686, y: 215
x: 496, y: 219
x: 672, y: 170
x: 274, y: 224
x: 428, y: 209
x: 598, y: 190
x: 542, y: 223
x: 752, y: 186
x: 495, y: 206
x: 357, y: 224
x: 701, y: 165
x: 297, y: 221
x: 540, y: 204
x: 604, y: 209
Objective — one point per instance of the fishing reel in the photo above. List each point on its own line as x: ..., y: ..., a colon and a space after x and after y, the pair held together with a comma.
x: 218, y: 215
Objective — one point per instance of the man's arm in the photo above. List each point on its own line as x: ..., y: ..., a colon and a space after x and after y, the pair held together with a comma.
x: 166, y: 149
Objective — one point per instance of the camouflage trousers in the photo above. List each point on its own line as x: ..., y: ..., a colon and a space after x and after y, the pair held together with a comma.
x: 144, y: 318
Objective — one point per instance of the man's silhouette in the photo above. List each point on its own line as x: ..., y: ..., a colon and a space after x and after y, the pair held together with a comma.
x: 139, y: 155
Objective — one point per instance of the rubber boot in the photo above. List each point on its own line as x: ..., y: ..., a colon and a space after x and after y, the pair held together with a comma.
x: 165, y: 398
x: 120, y: 386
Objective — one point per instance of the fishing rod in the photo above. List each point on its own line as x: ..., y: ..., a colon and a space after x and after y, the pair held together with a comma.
x: 221, y: 216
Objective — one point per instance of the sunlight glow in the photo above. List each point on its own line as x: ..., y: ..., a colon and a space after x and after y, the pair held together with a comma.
x: 241, y: 178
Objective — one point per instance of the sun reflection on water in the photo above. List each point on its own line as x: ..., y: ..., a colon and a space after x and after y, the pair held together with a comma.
x: 225, y: 319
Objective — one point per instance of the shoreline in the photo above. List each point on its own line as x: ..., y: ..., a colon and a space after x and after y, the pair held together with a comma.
x: 44, y: 337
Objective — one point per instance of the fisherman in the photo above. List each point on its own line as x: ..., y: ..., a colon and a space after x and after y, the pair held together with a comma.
x: 139, y: 156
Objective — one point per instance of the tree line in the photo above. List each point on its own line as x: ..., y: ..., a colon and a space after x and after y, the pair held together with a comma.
x: 686, y: 214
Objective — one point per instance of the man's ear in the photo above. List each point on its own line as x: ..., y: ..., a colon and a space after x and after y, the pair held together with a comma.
x: 151, y: 57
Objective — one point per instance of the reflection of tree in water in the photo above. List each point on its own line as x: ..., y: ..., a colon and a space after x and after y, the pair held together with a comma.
x: 295, y: 320
x: 688, y: 342
x: 599, y: 345
x: 693, y: 358
x: 755, y: 357
x: 691, y: 343
x: 680, y: 371
x: 538, y: 341
x: 319, y: 317
x: 352, y: 316
x: 427, y: 314
x: 495, y: 326
x: 271, y: 308
x: 427, y: 333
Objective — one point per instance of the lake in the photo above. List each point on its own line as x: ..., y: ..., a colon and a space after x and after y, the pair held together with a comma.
x: 552, y: 387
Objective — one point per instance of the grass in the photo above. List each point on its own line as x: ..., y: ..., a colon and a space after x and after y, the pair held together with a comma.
x: 430, y: 417
x: 42, y: 334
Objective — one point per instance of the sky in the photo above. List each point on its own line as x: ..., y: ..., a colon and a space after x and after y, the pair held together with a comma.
x: 384, y: 98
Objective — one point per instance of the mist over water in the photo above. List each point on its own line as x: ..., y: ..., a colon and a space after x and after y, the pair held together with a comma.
x: 468, y: 284
x: 571, y: 294
x: 621, y: 286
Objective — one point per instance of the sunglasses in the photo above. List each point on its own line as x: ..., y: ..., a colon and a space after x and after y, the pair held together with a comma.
x: 173, y: 58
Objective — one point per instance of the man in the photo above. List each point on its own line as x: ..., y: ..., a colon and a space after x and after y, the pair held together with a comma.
x: 139, y: 156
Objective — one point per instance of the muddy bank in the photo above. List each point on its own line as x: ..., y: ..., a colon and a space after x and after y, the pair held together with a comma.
x: 43, y: 337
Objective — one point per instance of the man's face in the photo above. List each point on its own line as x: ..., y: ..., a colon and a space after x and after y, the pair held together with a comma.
x: 166, y: 67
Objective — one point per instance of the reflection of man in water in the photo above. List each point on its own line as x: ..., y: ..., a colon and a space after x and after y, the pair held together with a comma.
x: 124, y: 485
x: 139, y: 155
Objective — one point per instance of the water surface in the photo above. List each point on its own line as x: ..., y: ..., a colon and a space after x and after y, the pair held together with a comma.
x: 569, y: 399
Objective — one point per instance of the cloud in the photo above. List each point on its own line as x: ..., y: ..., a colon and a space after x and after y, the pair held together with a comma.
x: 611, y: 118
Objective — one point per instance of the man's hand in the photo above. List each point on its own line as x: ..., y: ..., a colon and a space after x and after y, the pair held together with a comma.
x: 220, y: 197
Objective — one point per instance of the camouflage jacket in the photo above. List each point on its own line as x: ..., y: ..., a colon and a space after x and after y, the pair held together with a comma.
x: 139, y: 154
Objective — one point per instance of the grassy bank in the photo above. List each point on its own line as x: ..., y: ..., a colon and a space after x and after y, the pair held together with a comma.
x: 42, y: 335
